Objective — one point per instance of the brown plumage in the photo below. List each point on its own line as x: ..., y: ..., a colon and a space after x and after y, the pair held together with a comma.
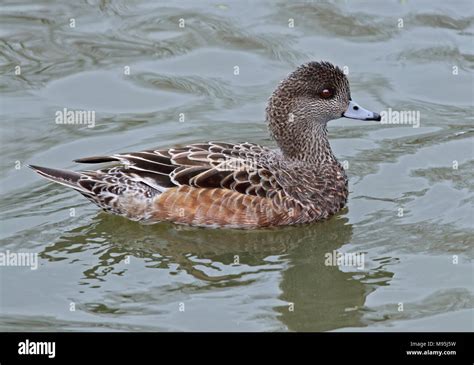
x: 242, y: 185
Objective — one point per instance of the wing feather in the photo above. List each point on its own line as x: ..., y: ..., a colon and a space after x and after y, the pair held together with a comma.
x: 236, y: 167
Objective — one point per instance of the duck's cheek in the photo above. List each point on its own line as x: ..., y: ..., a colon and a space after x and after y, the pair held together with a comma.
x: 336, y: 108
x: 337, y: 111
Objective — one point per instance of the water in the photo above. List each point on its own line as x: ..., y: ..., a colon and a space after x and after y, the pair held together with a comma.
x: 410, y: 210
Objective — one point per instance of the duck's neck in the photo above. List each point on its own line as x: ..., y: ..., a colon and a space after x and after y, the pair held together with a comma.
x: 300, y: 137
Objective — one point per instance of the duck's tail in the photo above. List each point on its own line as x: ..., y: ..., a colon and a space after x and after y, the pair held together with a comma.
x: 63, y: 177
x: 112, y: 190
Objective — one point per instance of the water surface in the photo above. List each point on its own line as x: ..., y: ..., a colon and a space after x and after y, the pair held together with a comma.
x: 410, y: 210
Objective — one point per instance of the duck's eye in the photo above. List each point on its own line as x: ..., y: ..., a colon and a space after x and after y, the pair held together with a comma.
x: 326, y: 93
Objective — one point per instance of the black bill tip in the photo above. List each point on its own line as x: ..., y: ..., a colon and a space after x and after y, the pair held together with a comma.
x: 376, y: 117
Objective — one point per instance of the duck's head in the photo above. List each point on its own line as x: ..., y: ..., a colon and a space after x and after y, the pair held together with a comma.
x: 305, y: 101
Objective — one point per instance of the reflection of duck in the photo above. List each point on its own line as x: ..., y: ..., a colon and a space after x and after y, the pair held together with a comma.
x: 237, y: 185
x: 321, y: 294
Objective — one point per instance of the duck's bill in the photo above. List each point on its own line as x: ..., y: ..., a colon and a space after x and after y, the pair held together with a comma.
x: 355, y: 111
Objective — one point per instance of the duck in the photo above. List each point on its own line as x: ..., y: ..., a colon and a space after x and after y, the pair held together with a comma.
x: 236, y: 185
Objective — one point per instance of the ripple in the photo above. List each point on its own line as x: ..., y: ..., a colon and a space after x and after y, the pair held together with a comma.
x: 442, y: 301
x: 329, y: 19
x: 443, y: 21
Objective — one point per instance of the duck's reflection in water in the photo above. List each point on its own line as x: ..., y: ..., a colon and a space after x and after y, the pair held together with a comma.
x: 319, y: 297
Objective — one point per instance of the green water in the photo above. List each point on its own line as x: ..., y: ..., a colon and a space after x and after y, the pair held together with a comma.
x: 410, y: 211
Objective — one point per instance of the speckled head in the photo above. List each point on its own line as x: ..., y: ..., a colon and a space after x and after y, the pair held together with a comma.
x: 304, y: 103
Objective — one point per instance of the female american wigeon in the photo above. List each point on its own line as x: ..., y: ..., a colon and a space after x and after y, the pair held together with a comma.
x: 240, y: 185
